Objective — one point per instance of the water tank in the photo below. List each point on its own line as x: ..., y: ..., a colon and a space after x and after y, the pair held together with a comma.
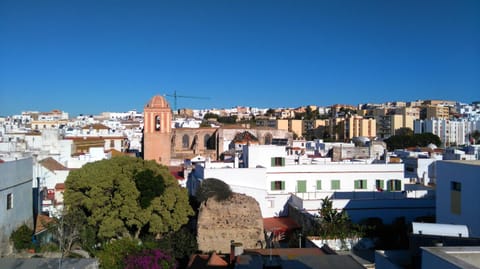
x: 438, y: 229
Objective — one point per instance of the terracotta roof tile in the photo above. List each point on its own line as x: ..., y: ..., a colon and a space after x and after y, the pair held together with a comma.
x: 95, y: 126
x: 52, y: 165
x: 282, y: 224
x: 42, y: 222
x: 216, y: 260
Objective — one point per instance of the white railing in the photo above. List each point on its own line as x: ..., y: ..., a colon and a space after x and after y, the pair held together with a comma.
x: 360, y: 195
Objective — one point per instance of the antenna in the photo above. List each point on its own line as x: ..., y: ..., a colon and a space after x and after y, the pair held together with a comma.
x: 175, y: 96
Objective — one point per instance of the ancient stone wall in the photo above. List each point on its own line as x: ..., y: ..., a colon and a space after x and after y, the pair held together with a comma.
x: 237, y: 218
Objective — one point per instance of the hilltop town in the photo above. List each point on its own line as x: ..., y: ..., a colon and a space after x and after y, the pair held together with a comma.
x: 388, y: 185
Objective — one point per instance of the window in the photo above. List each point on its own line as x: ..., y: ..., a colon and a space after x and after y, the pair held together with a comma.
x: 9, y: 201
x: 157, y: 123
x: 379, y: 184
x: 278, y: 185
x: 394, y: 185
x: 268, y: 139
x: 319, y: 185
x: 278, y: 161
x: 456, y: 197
x: 456, y: 186
x: 360, y: 184
x: 301, y: 186
x: 205, y: 141
x: 335, y: 184
x: 185, y: 141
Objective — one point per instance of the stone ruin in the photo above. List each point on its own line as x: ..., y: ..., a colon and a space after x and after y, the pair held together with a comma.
x: 237, y: 218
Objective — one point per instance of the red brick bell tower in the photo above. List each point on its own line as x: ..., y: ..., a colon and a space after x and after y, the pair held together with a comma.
x: 157, y: 130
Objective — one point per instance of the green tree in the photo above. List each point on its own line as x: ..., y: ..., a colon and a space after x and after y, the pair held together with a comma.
x: 270, y: 112
x: 415, y: 140
x: 126, y: 196
x: 210, y: 116
x: 212, y: 187
x: 476, y: 135
x: 228, y: 119
x: 404, y: 131
x: 335, y: 224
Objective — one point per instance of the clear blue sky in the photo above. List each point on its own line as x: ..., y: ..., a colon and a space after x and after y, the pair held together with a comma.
x: 90, y: 56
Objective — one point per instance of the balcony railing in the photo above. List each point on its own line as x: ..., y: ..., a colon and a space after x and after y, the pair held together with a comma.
x: 361, y: 195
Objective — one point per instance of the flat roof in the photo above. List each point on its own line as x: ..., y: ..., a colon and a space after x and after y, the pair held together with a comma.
x: 468, y: 162
x: 464, y: 257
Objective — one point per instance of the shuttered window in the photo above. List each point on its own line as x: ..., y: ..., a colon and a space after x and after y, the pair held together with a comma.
x: 301, y: 186
x: 360, y: 184
x: 277, y: 185
x: 277, y: 161
x: 335, y: 184
x: 379, y: 184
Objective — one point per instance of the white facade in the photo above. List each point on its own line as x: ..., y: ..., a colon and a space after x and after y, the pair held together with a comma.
x: 271, y: 182
x: 451, y: 132
x: 420, y: 170
x: 457, y: 191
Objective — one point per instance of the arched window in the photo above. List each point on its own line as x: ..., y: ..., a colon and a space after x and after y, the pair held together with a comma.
x: 157, y: 123
x: 206, y: 139
x: 268, y: 139
x: 185, y: 141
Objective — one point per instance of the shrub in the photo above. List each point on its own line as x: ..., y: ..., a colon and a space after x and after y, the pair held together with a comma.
x: 113, y: 254
x: 22, y: 238
x: 150, y: 259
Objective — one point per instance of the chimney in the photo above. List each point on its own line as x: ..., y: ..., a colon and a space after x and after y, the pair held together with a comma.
x: 236, y: 249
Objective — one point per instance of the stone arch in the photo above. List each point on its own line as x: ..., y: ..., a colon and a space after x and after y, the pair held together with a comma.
x: 206, y: 139
x: 185, y: 141
x: 268, y: 139
x: 158, y: 123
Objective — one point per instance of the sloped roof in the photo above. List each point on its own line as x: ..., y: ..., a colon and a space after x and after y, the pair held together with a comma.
x: 201, y: 261
x: 245, y: 137
x: 116, y: 153
x: 42, y: 222
x: 95, y: 126
x: 177, y: 172
x: 60, y: 186
x: 216, y: 260
x: 281, y: 224
x: 52, y: 165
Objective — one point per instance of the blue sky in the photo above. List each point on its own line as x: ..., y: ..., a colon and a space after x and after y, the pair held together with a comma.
x: 90, y: 56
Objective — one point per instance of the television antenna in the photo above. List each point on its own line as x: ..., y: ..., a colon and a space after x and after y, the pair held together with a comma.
x: 175, y: 96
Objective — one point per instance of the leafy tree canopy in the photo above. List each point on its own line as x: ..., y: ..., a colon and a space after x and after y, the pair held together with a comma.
x: 415, y: 140
x: 212, y: 187
x: 126, y: 196
x: 335, y: 224
x: 404, y: 131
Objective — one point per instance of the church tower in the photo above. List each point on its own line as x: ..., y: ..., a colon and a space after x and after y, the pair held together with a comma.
x: 157, y: 130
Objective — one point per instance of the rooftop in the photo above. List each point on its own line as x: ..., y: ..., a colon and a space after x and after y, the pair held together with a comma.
x: 467, y: 162
x: 463, y: 257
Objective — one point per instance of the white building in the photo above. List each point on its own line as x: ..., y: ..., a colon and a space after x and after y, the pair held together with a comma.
x: 451, y: 132
x: 16, y: 204
x: 457, y: 187
x: 270, y: 179
x: 451, y: 257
